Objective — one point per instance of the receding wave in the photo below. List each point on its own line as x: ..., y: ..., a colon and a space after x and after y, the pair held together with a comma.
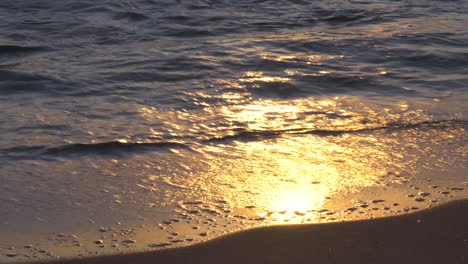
x: 188, y: 32
x: 347, y: 17
x: 299, y: 85
x: 109, y: 148
x: 15, y: 49
x: 117, y: 148
x: 280, y: 89
x: 152, y: 76
x: 436, y: 60
x: 25, y: 82
x: 130, y: 16
x: 112, y: 148
x: 252, y: 135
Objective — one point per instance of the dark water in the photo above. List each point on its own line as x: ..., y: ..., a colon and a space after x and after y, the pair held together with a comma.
x: 110, y: 106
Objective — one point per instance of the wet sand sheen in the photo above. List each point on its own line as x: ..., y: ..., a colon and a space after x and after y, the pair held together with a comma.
x: 436, y: 235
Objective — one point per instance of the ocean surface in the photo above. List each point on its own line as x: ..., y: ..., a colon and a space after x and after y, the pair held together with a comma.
x: 129, y: 125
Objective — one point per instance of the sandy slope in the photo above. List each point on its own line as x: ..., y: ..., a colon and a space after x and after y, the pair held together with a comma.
x: 437, y: 235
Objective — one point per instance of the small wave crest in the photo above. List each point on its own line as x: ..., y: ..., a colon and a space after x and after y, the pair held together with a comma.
x: 19, y: 82
x: 112, y: 148
x: 109, y: 148
x: 253, y: 135
x: 346, y: 17
x: 119, y: 149
x: 16, y: 49
x: 276, y: 89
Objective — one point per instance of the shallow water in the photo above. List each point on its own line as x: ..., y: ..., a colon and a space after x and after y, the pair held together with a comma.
x: 171, y: 122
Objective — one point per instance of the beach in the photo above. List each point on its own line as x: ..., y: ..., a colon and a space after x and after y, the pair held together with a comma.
x: 435, y: 235
x: 233, y: 131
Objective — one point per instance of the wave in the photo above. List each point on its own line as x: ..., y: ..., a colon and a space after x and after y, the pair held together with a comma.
x: 252, y: 135
x: 16, y: 49
x: 188, y: 32
x: 276, y: 89
x: 436, y: 60
x: 317, y: 84
x: 130, y: 16
x: 118, y: 149
x: 347, y: 17
x: 155, y: 76
x: 13, y: 82
x: 111, y: 148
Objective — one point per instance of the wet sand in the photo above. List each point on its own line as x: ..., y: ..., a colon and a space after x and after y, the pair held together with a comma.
x: 435, y: 235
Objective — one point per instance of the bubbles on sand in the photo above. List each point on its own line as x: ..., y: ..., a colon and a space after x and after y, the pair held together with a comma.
x: 198, y: 221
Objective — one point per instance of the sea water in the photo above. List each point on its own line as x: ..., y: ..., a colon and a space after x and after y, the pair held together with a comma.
x: 128, y: 125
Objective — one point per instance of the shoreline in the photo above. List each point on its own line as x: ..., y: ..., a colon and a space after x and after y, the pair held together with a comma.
x: 435, y: 235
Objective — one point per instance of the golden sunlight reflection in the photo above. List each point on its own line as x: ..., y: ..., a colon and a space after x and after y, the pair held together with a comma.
x: 290, y: 178
x: 331, y: 114
x: 292, y: 115
x: 260, y: 77
x: 303, y: 156
x: 315, y: 59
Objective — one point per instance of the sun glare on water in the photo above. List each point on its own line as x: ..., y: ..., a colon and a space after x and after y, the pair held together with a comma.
x: 291, y: 175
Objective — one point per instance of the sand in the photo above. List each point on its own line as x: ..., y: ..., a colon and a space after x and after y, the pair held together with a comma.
x: 436, y: 235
